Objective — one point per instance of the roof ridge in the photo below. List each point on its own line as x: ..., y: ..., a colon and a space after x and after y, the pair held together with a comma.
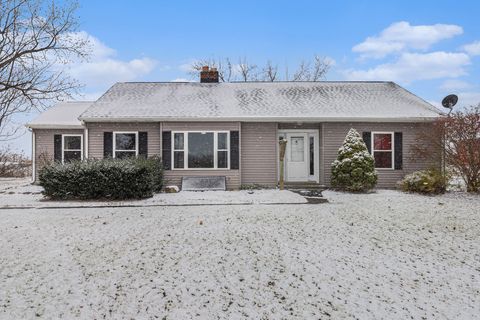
x: 258, y: 81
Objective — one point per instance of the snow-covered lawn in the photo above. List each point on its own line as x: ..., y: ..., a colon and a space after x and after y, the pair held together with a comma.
x: 379, y: 256
x: 36, y: 200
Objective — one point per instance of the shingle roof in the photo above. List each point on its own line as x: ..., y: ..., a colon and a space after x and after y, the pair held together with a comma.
x: 257, y: 101
x: 61, y: 115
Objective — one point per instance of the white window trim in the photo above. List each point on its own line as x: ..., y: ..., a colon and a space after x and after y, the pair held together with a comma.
x: 185, y: 149
x: 63, y: 145
x: 392, y: 150
x: 115, y: 142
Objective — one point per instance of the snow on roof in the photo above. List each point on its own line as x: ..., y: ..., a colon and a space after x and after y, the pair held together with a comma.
x: 62, y: 115
x: 259, y: 101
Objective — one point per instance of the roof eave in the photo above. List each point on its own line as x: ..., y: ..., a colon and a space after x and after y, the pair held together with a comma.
x: 54, y: 126
x: 261, y: 119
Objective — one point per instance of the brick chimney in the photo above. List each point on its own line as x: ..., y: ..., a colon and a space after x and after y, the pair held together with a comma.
x: 208, y: 75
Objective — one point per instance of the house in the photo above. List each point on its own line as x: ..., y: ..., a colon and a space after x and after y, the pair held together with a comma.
x: 232, y: 129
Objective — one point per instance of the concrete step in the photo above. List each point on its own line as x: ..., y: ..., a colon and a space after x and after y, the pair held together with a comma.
x: 304, y: 186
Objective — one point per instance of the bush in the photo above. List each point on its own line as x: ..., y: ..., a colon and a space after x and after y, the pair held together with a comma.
x: 430, y: 181
x: 102, y: 179
x: 14, y: 164
x: 354, y: 169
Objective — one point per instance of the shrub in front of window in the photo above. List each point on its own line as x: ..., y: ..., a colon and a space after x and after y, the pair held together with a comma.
x: 430, y: 181
x: 354, y: 169
x: 154, y: 164
x: 116, y: 179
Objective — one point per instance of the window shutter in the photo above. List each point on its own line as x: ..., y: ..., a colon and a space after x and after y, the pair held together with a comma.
x: 398, y: 141
x: 367, y: 138
x: 234, y: 150
x: 167, y: 149
x: 108, y: 144
x: 57, y: 147
x: 143, y: 144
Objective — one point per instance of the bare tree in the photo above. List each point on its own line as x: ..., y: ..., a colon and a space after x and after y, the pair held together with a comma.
x: 456, y: 139
x: 13, y: 164
x: 247, y: 70
x: 314, y: 70
x: 303, y: 72
x: 321, y: 65
x: 37, y: 38
x: 270, y: 72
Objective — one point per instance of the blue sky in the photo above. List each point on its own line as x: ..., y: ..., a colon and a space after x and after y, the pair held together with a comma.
x: 430, y: 47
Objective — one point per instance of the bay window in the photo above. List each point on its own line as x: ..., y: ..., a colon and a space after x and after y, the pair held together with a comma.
x: 125, y: 144
x: 72, y: 147
x: 200, y: 149
x: 382, y: 149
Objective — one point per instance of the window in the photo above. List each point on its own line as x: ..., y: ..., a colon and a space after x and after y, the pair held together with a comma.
x: 178, y: 151
x: 72, y: 147
x: 312, y: 157
x: 382, y: 149
x: 222, y: 150
x: 125, y: 144
x: 201, y: 150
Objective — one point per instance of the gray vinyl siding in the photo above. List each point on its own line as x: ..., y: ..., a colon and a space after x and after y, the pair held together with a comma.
x: 259, y: 153
x: 44, y: 145
x: 174, y: 177
x: 334, y: 134
x: 258, y: 147
x: 96, y: 130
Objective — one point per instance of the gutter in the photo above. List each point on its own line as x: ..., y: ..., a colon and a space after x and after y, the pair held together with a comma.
x: 54, y: 126
x: 259, y: 119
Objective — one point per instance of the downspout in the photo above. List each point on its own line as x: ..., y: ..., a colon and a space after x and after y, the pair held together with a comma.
x: 86, y: 143
x: 33, y: 157
x: 239, y: 154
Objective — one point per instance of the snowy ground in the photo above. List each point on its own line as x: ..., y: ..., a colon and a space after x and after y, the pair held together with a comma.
x: 20, y: 193
x: 379, y: 256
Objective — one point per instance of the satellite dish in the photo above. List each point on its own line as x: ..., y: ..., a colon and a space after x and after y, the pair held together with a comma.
x: 449, y: 101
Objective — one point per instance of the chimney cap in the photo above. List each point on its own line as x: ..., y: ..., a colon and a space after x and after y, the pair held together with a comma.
x: 205, y: 68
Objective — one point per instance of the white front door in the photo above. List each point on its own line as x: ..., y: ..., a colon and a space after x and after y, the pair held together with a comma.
x: 297, y: 157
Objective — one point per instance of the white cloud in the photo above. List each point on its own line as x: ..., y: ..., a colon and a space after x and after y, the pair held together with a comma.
x: 454, y: 84
x: 473, y: 48
x: 332, y: 62
x: 416, y: 66
x: 468, y: 98
x: 401, y: 36
x: 103, y: 68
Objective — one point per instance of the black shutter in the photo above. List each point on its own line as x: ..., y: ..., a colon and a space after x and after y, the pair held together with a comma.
x: 57, y: 147
x: 398, y: 140
x: 234, y: 150
x: 167, y: 149
x: 367, y: 138
x: 143, y: 144
x: 107, y: 144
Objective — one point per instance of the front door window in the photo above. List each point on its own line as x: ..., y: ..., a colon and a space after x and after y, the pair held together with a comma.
x: 297, y: 149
